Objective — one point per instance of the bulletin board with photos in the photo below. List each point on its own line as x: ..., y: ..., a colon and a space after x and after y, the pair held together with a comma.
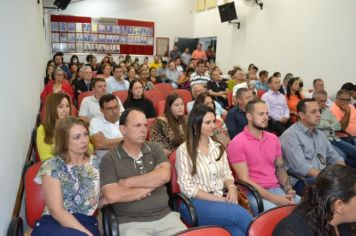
x: 74, y: 34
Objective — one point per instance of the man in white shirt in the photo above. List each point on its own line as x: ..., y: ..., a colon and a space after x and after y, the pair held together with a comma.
x: 89, y: 107
x: 117, y: 81
x: 104, y: 131
x: 318, y: 86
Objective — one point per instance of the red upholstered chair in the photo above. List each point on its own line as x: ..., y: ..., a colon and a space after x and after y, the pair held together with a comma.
x: 122, y: 95
x: 150, y: 122
x: 176, y: 196
x: 161, y: 108
x: 165, y: 88
x: 229, y: 99
x: 82, y: 95
x: 265, y: 223
x: 34, y: 200
x: 155, y: 96
x: 205, y: 231
x: 260, y: 92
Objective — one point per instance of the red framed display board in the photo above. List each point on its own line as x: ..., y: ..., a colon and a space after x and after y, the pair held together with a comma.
x: 76, y: 34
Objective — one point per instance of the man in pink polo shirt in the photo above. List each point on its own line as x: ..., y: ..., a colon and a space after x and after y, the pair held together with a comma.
x: 256, y: 158
x: 344, y: 112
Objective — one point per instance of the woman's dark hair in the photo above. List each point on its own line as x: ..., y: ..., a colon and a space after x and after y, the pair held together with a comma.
x: 336, y: 182
x: 178, y: 124
x: 72, y: 58
x: 289, y: 85
x: 192, y: 136
x: 200, y: 99
x: 129, y: 92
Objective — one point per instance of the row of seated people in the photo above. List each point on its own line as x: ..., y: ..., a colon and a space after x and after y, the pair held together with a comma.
x: 117, y: 108
x: 133, y: 173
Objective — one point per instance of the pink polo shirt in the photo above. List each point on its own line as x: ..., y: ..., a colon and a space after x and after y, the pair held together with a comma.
x: 339, y: 114
x: 259, y: 156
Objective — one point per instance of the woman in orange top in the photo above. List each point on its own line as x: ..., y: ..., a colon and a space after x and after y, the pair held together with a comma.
x: 293, y: 97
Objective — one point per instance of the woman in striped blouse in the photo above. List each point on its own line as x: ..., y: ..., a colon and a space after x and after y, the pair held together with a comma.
x: 203, y: 172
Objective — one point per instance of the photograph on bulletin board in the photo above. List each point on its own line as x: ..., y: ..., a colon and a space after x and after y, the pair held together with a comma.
x: 94, y: 38
x: 86, y: 27
x: 79, y: 37
x: 79, y: 47
x: 78, y: 27
x: 71, y: 47
x: 54, y: 26
x: 63, y: 47
x: 71, y: 37
x: 55, y: 37
x: 101, y: 29
x: 86, y: 37
x: 56, y: 47
x: 63, y: 37
x: 63, y: 27
x: 71, y: 27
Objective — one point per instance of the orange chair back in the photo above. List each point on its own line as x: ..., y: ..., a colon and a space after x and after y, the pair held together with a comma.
x: 82, y: 95
x: 229, y: 99
x: 165, y: 88
x: 260, y: 92
x: 161, y: 108
x: 204, y: 231
x: 150, y: 122
x: 265, y: 223
x: 122, y: 95
x: 34, y: 200
x: 155, y: 96
x: 174, y: 177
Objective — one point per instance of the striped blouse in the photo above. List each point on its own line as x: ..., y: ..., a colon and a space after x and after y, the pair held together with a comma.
x: 210, y: 175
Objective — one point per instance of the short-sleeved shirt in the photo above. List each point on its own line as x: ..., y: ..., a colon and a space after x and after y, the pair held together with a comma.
x: 90, y: 107
x: 259, y: 156
x: 115, y: 85
x: 108, y: 129
x: 117, y: 165
x: 80, y: 184
x: 199, y: 79
x: 339, y: 114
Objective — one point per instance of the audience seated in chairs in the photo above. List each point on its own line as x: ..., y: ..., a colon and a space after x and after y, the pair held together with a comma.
x: 136, y: 98
x: 345, y: 112
x: 172, y: 74
x: 57, y: 107
x: 293, y: 97
x: 169, y: 130
x: 262, y: 83
x: 90, y: 107
x: 236, y: 117
x: 117, y: 81
x: 278, y: 110
x: 153, y: 76
x: 203, y: 173
x: 256, y: 157
x: 283, y: 88
x: 133, y: 178
x: 306, y: 150
x: 328, y: 125
x: 70, y: 183
x: 199, y: 77
x: 327, y: 208
x: 49, y: 72
x: 59, y: 84
x: 318, y: 86
x: 104, y: 131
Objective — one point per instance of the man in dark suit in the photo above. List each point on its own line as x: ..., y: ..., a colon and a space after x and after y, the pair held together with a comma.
x: 83, y: 84
x: 283, y: 88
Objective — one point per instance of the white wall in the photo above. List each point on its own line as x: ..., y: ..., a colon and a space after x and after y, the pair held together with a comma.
x: 23, y: 59
x: 308, y: 38
x: 173, y: 18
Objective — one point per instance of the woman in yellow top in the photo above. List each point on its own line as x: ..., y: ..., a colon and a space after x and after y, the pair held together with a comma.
x: 57, y: 107
x: 293, y: 97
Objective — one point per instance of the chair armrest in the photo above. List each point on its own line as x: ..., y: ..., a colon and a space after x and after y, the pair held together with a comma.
x: 15, y: 227
x: 186, y: 201
x: 298, y: 177
x: 110, y: 224
x: 254, y: 192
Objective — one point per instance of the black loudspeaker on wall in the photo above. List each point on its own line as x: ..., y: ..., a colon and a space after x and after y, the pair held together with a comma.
x: 61, y: 4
